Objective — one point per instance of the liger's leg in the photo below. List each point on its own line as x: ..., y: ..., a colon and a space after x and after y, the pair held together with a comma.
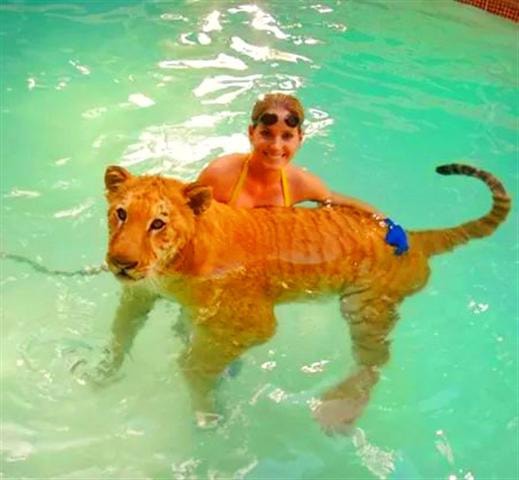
x: 182, y: 325
x: 134, y: 306
x: 370, y: 321
x: 218, y: 341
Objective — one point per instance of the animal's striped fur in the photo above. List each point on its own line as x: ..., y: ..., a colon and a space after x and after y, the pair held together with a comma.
x: 228, y: 267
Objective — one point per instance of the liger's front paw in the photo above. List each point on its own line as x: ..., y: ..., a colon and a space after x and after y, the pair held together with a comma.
x: 337, y: 416
x: 208, y: 420
x: 101, y: 374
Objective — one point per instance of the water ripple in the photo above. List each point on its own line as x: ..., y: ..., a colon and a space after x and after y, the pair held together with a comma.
x: 140, y: 100
x: 173, y: 17
x: 378, y: 461
x: 261, y: 20
x: 17, y: 193
x: 16, y: 444
x: 221, y: 61
x: 75, y: 211
x: 237, y: 85
x: 83, y: 69
x: 177, y: 149
x: 264, y: 53
x: 212, y: 22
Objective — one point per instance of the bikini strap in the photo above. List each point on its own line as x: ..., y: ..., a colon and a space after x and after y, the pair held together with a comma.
x: 287, y: 198
x: 238, y: 186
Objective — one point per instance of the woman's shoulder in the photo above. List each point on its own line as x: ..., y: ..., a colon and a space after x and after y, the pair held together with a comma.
x: 222, y: 174
x: 224, y: 165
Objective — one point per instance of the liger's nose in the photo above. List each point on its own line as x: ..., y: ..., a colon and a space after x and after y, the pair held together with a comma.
x: 123, y: 263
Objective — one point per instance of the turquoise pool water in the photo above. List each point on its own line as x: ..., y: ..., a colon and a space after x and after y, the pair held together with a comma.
x: 392, y: 89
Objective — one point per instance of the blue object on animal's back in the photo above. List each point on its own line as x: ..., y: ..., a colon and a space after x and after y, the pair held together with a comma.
x: 396, y: 237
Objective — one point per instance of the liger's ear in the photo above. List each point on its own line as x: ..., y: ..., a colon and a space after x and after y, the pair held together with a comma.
x: 115, y: 176
x: 198, y: 196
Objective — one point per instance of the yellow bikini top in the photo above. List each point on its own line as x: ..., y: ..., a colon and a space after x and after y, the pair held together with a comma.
x: 238, y: 186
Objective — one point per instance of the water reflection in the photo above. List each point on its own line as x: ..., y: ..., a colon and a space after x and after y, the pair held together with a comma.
x: 241, y: 85
x: 140, y: 100
x: 209, y: 121
x: 238, y: 86
x: 178, y: 150
x: 83, y: 69
x: 173, y: 17
x: 221, y: 61
x: 77, y: 211
x: 261, y: 20
x: 264, y: 53
x: 212, y: 22
x: 17, y: 193
x: 378, y: 461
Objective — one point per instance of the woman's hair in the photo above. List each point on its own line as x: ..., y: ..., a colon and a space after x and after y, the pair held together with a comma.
x: 278, y: 100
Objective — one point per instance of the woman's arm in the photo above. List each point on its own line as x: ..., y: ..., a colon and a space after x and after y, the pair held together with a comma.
x: 340, y: 199
x: 309, y: 187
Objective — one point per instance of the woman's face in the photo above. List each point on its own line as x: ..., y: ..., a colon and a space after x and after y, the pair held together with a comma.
x: 275, y: 145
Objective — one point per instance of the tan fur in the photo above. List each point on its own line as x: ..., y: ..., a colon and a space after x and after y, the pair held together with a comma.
x: 228, y: 267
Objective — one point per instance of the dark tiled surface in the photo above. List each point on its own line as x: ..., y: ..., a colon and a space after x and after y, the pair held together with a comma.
x: 504, y: 8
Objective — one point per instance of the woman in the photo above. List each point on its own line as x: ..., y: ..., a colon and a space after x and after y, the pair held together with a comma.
x: 266, y: 176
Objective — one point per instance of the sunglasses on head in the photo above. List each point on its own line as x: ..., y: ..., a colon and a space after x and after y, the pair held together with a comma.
x: 269, y: 119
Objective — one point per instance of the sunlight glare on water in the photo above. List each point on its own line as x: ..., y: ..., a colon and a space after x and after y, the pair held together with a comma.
x: 391, y: 90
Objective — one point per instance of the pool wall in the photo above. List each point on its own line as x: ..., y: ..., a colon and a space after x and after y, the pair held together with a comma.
x: 504, y: 8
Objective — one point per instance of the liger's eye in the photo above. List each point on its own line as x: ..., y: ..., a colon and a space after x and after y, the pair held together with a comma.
x: 157, y: 224
x: 121, y: 214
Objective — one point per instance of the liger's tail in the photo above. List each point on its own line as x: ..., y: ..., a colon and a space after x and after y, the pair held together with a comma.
x: 433, y: 242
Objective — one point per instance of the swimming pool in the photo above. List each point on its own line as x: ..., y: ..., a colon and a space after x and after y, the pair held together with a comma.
x: 391, y: 91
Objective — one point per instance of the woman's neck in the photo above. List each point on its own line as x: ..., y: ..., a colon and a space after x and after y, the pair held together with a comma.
x: 257, y: 172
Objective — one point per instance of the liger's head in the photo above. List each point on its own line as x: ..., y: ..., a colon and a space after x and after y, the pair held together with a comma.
x: 150, y: 220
